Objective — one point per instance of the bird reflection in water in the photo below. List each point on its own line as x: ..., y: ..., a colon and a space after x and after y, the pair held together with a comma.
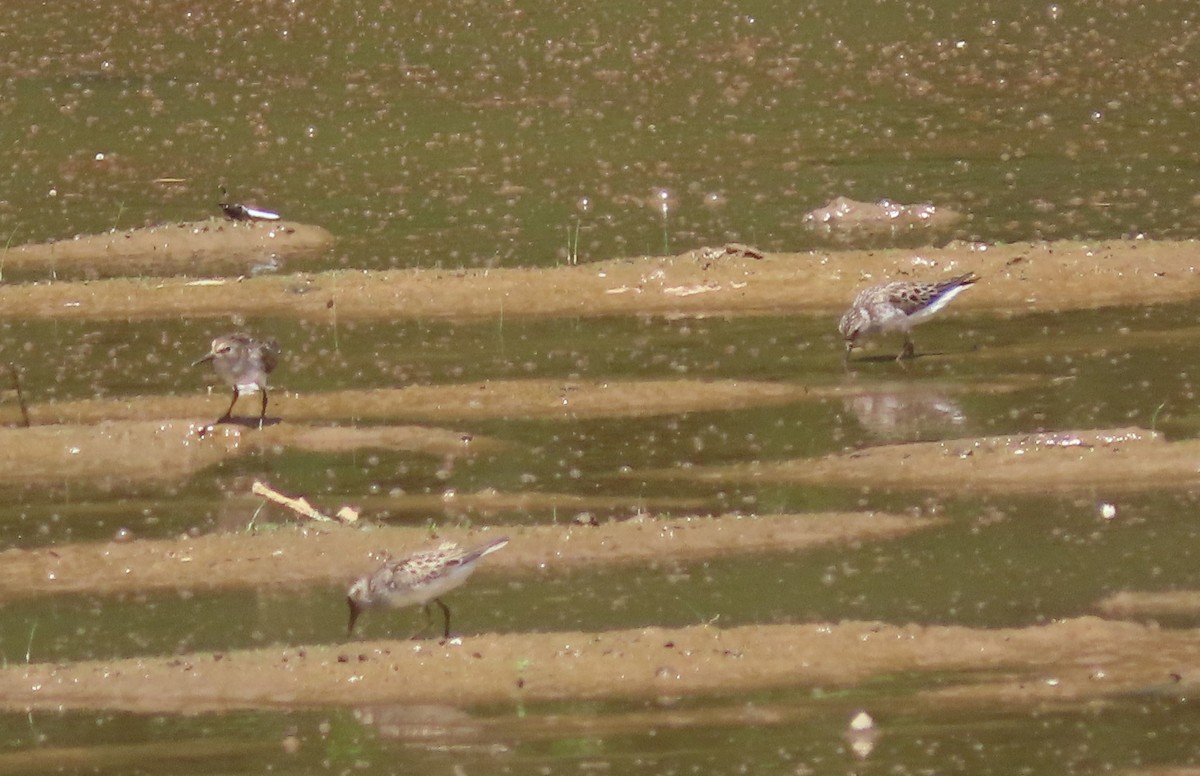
x: 906, y: 413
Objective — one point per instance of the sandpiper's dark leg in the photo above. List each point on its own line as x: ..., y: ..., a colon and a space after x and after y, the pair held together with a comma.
x: 425, y: 626
x: 16, y: 382
x: 262, y: 416
x: 908, y: 350
x: 229, y: 412
x: 446, y: 613
x: 846, y: 355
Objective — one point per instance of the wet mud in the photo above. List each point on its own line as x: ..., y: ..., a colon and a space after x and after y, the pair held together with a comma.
x: 1067, y: 662
x: 321, y: 553
x: 1119, y: 459
x: 214, y: 245
x: 485, y: 400
x: 470, y: 401
x: 152, y: 439
x: 158, y: 437
x: 173, y: 448
x: 1021, y: 277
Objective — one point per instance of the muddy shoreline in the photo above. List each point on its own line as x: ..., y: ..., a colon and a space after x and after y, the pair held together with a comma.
x: 322, y: 553
x: 216, y: 244
x: 538, y: 398
x: 1065, y: 662
x: 1121, y: 459
x: 153, y: 438
x: 1017, y: 278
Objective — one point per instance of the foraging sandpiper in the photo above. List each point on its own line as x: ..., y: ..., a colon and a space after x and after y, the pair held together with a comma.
x: 898, y: 305
x: 418, y: 579
x: 244, y: 363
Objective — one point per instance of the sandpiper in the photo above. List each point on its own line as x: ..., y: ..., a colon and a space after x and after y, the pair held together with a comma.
x: 898, y: 305
x: 418, y: 579
x: 244, y: 363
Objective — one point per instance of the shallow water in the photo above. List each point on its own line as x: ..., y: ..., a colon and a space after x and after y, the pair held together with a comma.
x: 541, y: 134
x: 781, y: 732
x: 483, y: 135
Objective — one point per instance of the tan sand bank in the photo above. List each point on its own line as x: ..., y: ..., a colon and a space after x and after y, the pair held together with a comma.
x: 173, y: 448
x: 321, y: 553
x: 147, y: 439
x: 499, y: 399
x: 1117, y: 459
x: 488, y: 503
x: 1065, y: 662
x: 201, y: 247
x: 1017, y: 278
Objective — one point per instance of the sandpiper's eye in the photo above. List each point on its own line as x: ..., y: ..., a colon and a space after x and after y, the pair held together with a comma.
x: 223, y: 349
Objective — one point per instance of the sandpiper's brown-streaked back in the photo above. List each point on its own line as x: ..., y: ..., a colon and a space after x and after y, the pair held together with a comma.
x: 418, y: 579
x: 898, y: 306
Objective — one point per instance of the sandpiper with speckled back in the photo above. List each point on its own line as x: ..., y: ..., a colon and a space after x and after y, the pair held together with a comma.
x: 898, y: 306
x: 418, y: 579
x: 244, y: 363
